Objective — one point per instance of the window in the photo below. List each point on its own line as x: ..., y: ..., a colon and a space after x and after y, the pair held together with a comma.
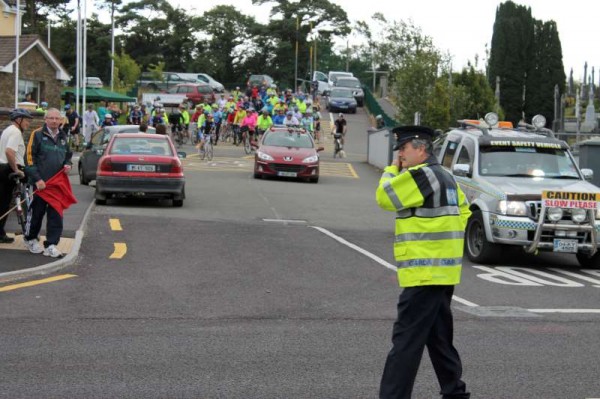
x: 465, y: 156
x: 29, y: 91
x: 451, y: 147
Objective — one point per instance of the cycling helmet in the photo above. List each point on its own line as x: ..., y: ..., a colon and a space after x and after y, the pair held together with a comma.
x: 44, y: 104
x: 19, y: 113
x: 107, y: 116
x: 265, y: 110
x: 206, y: 112
x: 215, y: 106
x: 289, y: 113
x: 199, y: 106
x: 67, y: 107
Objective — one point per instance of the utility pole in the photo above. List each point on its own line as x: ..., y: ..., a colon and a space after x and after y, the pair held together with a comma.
x: 112, y: 46
x: 17, y: 36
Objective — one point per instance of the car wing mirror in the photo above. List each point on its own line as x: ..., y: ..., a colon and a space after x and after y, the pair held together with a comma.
x: 181, y: 154
x: 588, y: 174
x: 101, y: 150
x: 254, y: 144
x: 462, y: 169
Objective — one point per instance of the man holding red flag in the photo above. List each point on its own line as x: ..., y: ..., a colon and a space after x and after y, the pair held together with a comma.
x: 47, y: 164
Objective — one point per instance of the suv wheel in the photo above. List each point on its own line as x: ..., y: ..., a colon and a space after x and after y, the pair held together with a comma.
x: 587, y: 261
x: 479, y: 249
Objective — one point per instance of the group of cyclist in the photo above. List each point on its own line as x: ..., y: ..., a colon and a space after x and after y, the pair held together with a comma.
x: 243, y: 117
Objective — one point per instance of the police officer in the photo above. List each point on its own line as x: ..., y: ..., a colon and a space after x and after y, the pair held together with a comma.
x: 431, y: 216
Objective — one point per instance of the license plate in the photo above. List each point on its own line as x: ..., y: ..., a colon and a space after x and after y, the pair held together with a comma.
x: 287, y: 174
x: 343, y: 106
x: 563, y: 245
x: 141, y: 168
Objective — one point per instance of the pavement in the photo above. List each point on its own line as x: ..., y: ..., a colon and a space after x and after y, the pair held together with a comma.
x: 16, y: 262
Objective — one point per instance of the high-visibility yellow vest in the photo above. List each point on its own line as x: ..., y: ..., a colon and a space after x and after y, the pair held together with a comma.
x: 431, y: 217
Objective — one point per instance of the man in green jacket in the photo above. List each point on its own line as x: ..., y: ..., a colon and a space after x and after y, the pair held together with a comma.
x: 431, y: 216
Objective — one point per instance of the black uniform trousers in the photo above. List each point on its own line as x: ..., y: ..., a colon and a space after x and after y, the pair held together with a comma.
x: 35, y: 217
x: 6, y: 191
x: 424, y: 319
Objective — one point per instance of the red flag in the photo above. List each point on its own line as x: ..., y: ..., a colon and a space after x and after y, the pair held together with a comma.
x: 58, y: 193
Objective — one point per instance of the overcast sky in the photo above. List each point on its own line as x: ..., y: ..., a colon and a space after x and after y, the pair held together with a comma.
x: 463, y: 27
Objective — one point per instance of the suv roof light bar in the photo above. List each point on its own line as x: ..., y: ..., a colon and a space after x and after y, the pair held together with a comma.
x: 474, y: 123
x: 537, y: 125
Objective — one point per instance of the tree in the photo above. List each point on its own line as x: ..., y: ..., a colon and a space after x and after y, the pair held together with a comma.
x: 155, y: 31
x: 223, y: 40
x: 283, y: 30
x: 546, y: 72
x: 127, y: 70
x: 35, y: 18
x: 511, y: 56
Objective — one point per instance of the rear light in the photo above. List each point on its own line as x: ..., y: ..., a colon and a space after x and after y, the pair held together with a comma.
x: 176, y: 167
x: 106, y: 165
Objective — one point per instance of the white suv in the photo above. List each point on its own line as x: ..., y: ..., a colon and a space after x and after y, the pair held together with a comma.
x: 525, y: 189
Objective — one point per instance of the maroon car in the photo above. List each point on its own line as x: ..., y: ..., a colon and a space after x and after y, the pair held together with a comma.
x: 287, y: 152
x: 140, y: 165
x: 195, y: 92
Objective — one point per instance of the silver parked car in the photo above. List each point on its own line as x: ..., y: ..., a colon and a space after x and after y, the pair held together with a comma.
x: 354, y: 85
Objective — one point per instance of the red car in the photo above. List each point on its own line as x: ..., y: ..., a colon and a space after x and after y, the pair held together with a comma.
x: 141, y: 165
x: 287, y: 152
x: 196, y: 92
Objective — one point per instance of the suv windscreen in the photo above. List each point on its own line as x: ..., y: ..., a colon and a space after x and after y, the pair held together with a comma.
x: 526, y: 162
x: 341, y: 94
x: 355, y: 84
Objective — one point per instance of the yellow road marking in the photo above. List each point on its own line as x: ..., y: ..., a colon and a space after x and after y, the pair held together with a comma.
x: 36, y: 282
x: 115, y: 225
x: 120, y: 250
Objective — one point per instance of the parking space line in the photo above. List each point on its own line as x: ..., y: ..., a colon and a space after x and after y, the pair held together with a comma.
x: 578, y: 311
x: 119, y: 251
x: 379, y: 260
x: 36, y: 282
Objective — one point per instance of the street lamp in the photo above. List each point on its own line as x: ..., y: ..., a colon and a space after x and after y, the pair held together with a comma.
x: 306, y: 19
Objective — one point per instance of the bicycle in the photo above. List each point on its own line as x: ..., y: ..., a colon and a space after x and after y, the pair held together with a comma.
x: 246, y: 138
x: 22, y: 199
x: 194, y: 133
x: 338, y: 148
x: 177, y: 134
x: 207, y: 150
x: 227, y: 132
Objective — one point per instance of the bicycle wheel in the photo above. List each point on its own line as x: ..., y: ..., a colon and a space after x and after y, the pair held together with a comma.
x: 209, y: 151
x: 184, y: 137
x: 247, y: 147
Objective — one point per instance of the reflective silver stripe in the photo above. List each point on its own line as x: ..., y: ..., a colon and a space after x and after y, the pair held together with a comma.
x: 428, y: 262
x: 443, y: 235
x: 387, y: 187
x: 404, y: 213
x: 435, y: 186
x: 441, y: 211
x: 388, y: 175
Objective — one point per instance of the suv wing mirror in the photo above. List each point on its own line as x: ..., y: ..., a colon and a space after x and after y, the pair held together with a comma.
x: 588, y: 174
x: 462, y: 169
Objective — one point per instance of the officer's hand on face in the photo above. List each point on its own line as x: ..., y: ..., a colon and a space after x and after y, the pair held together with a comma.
x: 40, y: 184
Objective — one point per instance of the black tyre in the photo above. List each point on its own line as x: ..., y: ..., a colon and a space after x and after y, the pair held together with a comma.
x: 247, y: 147
x: 479, y: 249
x: 82, y: 178
x: 177, y: 203
x: 257, y: 176
x: 209, y: 152
x: 314, y: 179
x: 589, y: 262
x: 100, y: 201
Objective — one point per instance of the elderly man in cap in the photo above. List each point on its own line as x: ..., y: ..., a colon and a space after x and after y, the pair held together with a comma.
x: 431, y: 216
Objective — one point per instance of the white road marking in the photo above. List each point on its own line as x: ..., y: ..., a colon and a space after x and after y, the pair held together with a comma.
x: 597, y: 311
x: 290, y: 221
x: 378, y: 259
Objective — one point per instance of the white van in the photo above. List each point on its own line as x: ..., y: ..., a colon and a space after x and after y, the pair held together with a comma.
x: 333, y: 75
x: 323, y: 81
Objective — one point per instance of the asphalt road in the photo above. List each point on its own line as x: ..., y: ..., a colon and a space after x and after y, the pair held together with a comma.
x: 245, y: 292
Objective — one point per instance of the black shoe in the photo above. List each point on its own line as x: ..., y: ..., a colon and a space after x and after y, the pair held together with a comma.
x: 6, y: 240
